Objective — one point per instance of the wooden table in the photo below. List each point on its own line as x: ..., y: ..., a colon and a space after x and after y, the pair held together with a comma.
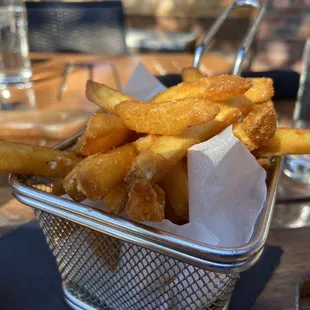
x: 280, y: 292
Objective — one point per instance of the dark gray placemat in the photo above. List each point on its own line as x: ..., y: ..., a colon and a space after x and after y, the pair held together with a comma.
x: 29, y: 278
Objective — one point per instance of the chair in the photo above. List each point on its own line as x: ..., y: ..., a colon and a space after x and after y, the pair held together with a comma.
x: 76, y: 27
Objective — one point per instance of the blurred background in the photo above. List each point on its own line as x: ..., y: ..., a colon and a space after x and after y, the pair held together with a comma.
x: 170, y: 26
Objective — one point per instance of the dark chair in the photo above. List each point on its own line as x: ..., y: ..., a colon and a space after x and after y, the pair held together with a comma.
x: 76, y: 27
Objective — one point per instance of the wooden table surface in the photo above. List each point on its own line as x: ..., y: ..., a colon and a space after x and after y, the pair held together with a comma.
x: 281, y: 290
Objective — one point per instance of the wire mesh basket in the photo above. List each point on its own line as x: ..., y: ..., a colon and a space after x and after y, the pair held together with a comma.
x: 111, y: 263
x: 108, y: 262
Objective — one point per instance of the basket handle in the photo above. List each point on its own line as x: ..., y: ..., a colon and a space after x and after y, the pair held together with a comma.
x: 247, y: 40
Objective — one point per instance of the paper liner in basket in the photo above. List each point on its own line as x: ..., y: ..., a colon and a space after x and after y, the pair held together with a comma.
x: 226, y: 193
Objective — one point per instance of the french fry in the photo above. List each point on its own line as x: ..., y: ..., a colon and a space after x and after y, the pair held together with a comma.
x: 58, y: 188
x: 35, y: 160
x: 240, y: 134
x: 260, y: 124
x: 104, y: 96
x: 145, y: 142
x: 286, y: 141
x: 103, y: 132
x: 166, y: 118
x: 116, y: 199
x: 215, y: 88
x: 191, y: 74
x: 166, y: 151
x: 261, y: 91
x: 146, y: 202
x: 98, y: 174
x: 69, y: 184
x: 175, y: 186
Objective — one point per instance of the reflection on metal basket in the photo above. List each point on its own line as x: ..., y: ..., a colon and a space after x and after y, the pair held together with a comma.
x: 108, y: 273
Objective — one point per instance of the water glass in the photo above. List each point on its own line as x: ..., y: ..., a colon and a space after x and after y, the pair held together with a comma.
x: 15, y: 65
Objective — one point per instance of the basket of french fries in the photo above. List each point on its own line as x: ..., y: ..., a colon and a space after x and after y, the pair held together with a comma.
x: 123, y: 205
x: 165, y: 197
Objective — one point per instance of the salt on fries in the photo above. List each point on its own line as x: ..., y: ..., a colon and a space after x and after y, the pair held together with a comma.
x: 35, y: 160
x: 152, y: 117
x: 145, y: 175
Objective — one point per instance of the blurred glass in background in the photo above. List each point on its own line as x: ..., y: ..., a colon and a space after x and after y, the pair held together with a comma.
x: 298, y: 166
x: 16, y: 90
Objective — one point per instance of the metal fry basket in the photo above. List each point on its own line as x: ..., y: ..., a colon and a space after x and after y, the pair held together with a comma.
x: 110, y: 263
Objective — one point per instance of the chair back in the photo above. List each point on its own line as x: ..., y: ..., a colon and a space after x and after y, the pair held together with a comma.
x: 76, y: 27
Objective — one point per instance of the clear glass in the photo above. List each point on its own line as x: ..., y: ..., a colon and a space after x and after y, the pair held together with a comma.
x: 20, y: 96
x: 298, y: 166
x: 15, y: 65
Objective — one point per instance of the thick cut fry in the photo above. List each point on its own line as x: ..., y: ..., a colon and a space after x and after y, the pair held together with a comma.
x: 166, y: 151
x: 70, y: 183
x: 215, y: 88
x: 166, y: 118
x: 191, y: 74
x: 260, y: 124
x: 261, y: 91
x: 35, y: 160
x: 70, y: 186
x: 58, y: 188
x: 146, y: 202
x: 104, y: 96
x: 143, y: 143
x: 240, y: 134
x: 116, y: 199
x: 286, y: 141
x: 175, y: 186
x: 103, y: 132
x: 98, y: 174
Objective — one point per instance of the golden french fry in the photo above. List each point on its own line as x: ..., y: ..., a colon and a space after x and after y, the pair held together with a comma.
x: 215, y: 88
x: 261, y: 91
x: 166, y: 118
x: 35, y: 160
x: 286, y: 141
x: 104, y: 96
x: 260, y: 124
x: 143, y: 143
x: 98, y: 174
x: 240, y: 134
x: 69, y: 184
x: 146, y: 202
x: 191, y: 74
x: 116, y: 199
x: 166, y: 151
x: 58, y: 188
x: 103, y: 132
x: 175, y: 186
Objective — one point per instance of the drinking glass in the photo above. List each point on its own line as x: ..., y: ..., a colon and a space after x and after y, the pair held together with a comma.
x: 15, y: 67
